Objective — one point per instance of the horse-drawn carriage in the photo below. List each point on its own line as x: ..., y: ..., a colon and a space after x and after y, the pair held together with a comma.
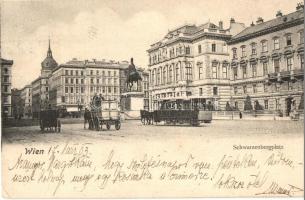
x: 49, y: 120
x: 104, y: 112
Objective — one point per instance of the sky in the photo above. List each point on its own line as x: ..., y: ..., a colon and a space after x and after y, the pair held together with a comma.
x: 109, y: 29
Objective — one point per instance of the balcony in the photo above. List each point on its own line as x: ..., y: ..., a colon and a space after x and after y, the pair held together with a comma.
x: 280, y: 77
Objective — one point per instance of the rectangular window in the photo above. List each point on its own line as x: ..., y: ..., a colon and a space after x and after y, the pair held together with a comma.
x: 276, y: 64
x: 277, y: 104
x: 66, y: 90
x: 200, y: 69
x: 103, y: 89
x: 97, y: 72
x: 91, y: 80
x: 114, y: 90
x: 91, y: 72
x: 253, y: 49
x: 254, y: 89
x: 213, y: 47
x: 76, y: 72
x: 82, y: 89
x: 109, y: 89
x: 82, y: 73
x: 177, y: 74
x: 170, y: 75
x: 200, y: 92
x: 76, y: 81
x: 66, y: 80
x: 71, y: 80
x: 235, y: 90
x: 5, y: 88
x: 301, y: 37
x: 264, y: 46
x: 82, y: 81
x: 224, y: 72
x: 47, y: 89
x: 266, y: 104
x: 288, y: 40
x: 97, y: 81
x: 187, y: 51
x: 215, y: 90
x: 234, y: 53
x: 66, y: 72
x: 244, y: 71
x: 63, y: 100
x: 235, y: 73
x: 302, y: 61
x: 243, y: 51
x: 289, y: 63
x: 114, y: 73
x: 276, y: 43
x: 199, y: 48
x: 214, y: 70
x: 71, y: 89
x: 245, y: 89
x: 265, y: 88
x: 265, y: 68
x: 254, y: 70
x: 71, y: 72
x: 109, y: 73
x: 76, y: 90
x: 91, y: 89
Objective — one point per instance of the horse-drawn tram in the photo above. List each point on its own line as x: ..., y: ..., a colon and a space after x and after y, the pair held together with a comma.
x: 48, y: 120
x: 104, y: 112
x: 173, y: 115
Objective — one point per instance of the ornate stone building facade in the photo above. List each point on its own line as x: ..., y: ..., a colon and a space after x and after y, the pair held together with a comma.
x: 6, y: 86
x: 190, y: 67
x: 267, y: 63
x: 26, y: 96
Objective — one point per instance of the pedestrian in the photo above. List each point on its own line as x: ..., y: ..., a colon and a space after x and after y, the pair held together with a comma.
x: 240, y: 115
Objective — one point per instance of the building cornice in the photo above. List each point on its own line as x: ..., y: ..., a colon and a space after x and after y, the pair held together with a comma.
x: 266, y: 31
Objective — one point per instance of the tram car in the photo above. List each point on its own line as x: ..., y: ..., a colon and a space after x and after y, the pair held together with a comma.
x: 105, y: 113
x: 49, y: 121
x: 174, y: 114
x: 189, y: 116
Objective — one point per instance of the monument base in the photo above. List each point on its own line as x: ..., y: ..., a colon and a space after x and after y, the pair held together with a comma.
x: 131, y: 104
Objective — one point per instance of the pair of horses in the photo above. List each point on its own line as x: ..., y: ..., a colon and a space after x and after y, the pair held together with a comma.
x: 147, y: 117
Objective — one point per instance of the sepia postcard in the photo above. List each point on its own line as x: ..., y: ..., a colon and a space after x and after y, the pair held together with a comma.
x: 152, y: 99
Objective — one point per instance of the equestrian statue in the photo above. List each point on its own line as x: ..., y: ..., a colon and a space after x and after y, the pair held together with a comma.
x: 132, y: 75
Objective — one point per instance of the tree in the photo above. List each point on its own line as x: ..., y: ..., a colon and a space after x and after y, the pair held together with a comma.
x: 257, y: 106
x: 248, y: 104
x: 301, y: 105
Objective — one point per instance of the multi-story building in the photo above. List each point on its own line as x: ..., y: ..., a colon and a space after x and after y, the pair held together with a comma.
x: 40, y: 86
x: 73, y: 84
x: 26, y: 96
x: 190, y: 67
x: 267, y: 62
x: 6, y: 84
x: 17, y: 104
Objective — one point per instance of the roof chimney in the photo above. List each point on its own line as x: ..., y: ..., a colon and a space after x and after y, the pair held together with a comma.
x: 252, y: 24
x: 259, y: 20
x: 220, y: 25
x: 279, y: 14
x: 300, y: 6
x: 232, y: 20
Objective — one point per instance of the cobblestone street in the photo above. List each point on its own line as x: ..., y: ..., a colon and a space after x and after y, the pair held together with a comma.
x: 133, y: 130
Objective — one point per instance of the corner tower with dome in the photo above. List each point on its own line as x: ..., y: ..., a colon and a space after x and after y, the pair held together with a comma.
x: 49, y: 63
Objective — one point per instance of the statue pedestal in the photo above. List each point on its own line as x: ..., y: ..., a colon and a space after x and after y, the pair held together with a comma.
x: 131, y: 104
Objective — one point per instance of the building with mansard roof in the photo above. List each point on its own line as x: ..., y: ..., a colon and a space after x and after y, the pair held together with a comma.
x: 267, y: 63
x: 190, y: 67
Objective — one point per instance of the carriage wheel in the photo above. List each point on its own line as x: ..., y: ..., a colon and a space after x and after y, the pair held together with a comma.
x: 108, y: 126
x: 117, y: 125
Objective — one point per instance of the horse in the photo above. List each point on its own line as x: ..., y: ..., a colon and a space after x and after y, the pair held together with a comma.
x: 132, y: 75
x: 146, y: 117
